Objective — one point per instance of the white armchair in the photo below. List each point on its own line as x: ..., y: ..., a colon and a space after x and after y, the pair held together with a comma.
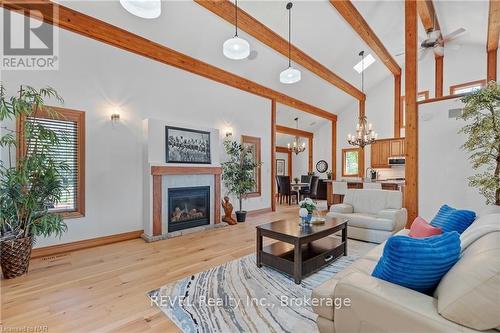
x: 374, y: 215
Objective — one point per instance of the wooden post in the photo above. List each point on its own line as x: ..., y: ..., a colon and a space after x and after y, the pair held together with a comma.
x: 411, y: 109
x: 398, y: 122
x: 273, y: 155
x: 491, y: 71
x: 438, y: 77
x: 334, y: 149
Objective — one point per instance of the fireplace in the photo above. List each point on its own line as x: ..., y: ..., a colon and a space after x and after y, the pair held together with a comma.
x: 188, y: 207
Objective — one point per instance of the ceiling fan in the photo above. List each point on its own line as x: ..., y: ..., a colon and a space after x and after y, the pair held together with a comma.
x: 437, y: 43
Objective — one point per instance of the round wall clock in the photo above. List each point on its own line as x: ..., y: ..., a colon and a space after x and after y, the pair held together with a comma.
x: 322, y: 166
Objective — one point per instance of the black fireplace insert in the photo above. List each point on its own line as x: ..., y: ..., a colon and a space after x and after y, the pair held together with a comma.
x: 188, y: 207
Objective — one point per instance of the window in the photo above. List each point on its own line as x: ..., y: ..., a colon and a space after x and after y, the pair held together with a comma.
x: 254, y: 144
x: 421, y: 96
x: 350, y: 162
x: 466, y: 88
x: 69, y: 124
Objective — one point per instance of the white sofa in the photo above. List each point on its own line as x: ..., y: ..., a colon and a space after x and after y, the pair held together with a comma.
x: 374, y: 215
x: 467, y: 298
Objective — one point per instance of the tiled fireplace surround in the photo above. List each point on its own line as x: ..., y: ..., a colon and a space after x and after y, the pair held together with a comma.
x: 164, y: 177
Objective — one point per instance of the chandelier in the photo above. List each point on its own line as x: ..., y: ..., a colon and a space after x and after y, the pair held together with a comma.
x: 296, y: 147
x: 364, y: 132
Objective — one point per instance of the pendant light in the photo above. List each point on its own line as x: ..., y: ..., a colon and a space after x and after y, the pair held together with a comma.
x: 290, y: 75
x: 148, y: 9
x: 364, y: 133
x: 236, y: 48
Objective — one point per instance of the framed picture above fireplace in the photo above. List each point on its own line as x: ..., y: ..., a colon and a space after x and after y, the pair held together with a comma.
x: 185, y: 145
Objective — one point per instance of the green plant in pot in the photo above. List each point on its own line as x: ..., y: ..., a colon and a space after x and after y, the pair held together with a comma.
x: 33, y: 184
x: 329, y: 174
x: 238, y: 173
x: 482, y: 112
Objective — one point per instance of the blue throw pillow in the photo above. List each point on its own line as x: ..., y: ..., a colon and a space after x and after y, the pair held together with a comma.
x: 451, y: 219
x: 418, y: 263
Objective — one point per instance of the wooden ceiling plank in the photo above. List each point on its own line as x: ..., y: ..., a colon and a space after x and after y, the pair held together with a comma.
x: 91, y: 27
x: 226, y: 10
x: 427, y: 14
x: 347, y: 10
x: 493, y: 25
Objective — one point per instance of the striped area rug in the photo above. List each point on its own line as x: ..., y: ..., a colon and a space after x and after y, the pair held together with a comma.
x: 240, y: 297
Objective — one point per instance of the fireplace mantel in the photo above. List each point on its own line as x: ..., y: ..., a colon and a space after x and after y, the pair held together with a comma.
x: 159, y: 171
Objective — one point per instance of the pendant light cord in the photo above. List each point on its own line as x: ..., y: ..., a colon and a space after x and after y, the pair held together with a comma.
x: 362, y: 53
x: 236, y: 14
x: 289, y: 35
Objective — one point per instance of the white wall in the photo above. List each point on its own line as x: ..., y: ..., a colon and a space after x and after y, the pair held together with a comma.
x: 443, y: 166
x: 463, y: 65
x: 322, y: 147
x: 97, y: 78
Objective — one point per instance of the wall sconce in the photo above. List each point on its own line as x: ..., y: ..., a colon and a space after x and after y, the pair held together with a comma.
x: 229, y: 131
x: 115, y: 117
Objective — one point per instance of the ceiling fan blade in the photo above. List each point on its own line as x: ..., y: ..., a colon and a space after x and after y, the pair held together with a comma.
x: 403, y: 53
x: 453, y: 35
x: 423, y: 54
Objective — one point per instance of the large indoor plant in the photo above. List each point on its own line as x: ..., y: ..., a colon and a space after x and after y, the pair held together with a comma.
x: 237, y: 173
x: 30, y: 185
x: 482, y: 112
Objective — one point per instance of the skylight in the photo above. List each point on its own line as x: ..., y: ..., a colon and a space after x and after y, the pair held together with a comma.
x: 368, y: 60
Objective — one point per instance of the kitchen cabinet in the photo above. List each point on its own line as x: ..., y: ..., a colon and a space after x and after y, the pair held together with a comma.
x: 382, y: 149
x: 397, y: 147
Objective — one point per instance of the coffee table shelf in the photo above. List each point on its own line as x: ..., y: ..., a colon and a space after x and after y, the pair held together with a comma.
x: 317, y: 247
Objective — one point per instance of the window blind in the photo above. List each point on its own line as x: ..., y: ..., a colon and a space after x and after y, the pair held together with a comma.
x: 66, y: 151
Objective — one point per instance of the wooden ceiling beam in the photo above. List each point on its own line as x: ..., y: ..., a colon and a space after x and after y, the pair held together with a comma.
x: 347, y: 10
x: 427, y: 15
x: 293, y: 131
x: 91, y: 27
x: 493, y: 25
x: 226, y: 10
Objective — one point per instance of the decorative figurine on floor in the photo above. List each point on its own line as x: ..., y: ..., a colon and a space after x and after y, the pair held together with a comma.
x: 228, y: 211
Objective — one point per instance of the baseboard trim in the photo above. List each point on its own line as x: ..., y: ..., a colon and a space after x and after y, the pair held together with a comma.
x: 84, y: 244
x: 259, y: 211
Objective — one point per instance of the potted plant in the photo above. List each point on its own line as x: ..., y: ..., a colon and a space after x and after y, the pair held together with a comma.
x: 482, y: 112
x: 296, y: 180
x: 32, y: 185
x: 238, y: 173
x: 307, y: 207
x: 329, y: 174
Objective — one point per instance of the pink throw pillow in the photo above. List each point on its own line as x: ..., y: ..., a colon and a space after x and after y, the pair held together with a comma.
x: 420, y: 228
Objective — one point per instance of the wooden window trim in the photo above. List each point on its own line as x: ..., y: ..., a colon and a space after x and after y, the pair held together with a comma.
x: 256, y: 141
x: 79, y: 118
x: 466, y: 84
x: 346, y: 150
x: 424, y: 93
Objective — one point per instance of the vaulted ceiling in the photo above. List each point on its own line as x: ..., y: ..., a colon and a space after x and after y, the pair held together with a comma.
x: 318, y: 30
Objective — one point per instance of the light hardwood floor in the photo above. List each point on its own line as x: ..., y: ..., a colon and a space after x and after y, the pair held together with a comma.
x: 103, y: 289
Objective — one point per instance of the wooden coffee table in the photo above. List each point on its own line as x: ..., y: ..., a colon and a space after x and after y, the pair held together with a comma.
x: 301, y: 250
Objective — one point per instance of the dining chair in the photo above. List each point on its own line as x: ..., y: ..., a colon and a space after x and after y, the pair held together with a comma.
x: 339, y: 190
